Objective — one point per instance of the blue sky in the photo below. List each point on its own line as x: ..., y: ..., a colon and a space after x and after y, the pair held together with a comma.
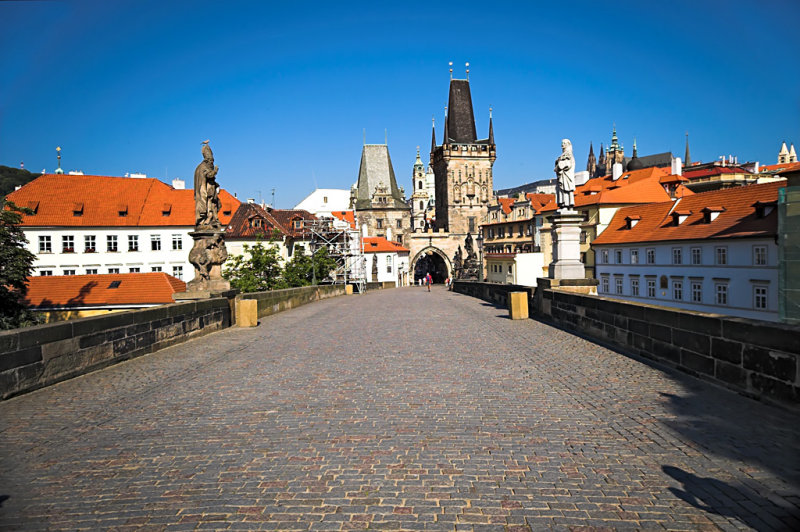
x: 285, y: 89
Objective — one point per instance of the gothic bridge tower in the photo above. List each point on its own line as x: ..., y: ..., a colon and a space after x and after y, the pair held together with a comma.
x: 462, y: 165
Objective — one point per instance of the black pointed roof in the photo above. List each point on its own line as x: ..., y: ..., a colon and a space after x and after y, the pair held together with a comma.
x: 460, y: 120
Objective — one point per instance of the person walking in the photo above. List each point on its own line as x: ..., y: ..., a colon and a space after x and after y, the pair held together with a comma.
x: 429, y: 281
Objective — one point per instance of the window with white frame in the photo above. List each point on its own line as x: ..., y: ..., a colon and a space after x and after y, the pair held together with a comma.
x: 604, y: 256
x: 721, y: 255
x: 69, y: 271
x: 177, y: 271
x: 651, y: 288
x: 697, y: 291
x: 677, y: 256
x: 177, y: 242
x: 133, y: 242
x: 89, y: 244
x: 697, y: 256
x: 634, y: 286
x: 677, y: 290
x: 67, y: 244
x: 650, y: 255
x: 388, y: 264
x: 45, y: 244
x: 618, y: 256
x: 721, y: 293
x: 111, y: 243
x: 634, y: 256
x: 604, y: 284
x: 135, y: 269
x: 759, y: 255
x: 45, y: 273
x: 91, y: 271
x: 155, y: 242
x: 113, y: 270
x: 760, y: 297
x: 618, y: 285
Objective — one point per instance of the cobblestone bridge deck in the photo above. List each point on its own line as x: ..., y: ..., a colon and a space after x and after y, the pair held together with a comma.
x: 399, y: 409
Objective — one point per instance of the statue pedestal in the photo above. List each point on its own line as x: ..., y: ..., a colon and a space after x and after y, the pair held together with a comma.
x: 207, y: 255
x: 566, y: 233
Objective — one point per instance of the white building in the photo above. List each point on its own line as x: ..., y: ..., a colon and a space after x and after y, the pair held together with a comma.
x: 323, y: 201
x: 711, y: 252
x: 283, y: 228
x: 84, y: 224
x: 385, y: 261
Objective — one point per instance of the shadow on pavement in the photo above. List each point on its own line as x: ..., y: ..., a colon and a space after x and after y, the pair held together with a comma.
x: 718, y: 497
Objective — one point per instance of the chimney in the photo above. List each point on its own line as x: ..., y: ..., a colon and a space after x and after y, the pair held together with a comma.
x: 581, y: 178
x: 251, y: 200
x: 677, y: 166
x: 616, y: 171
x: 178, y: 184
x: 756, y: 168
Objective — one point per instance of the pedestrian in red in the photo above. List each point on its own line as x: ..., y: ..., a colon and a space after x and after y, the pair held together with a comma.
x: 428, y: 281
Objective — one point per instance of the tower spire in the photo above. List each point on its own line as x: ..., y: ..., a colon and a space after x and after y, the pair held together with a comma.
x: 433, y: 134
x: 491, y: 128
x: 58, y: 156
x: 445, y: 139
x: 687, y: 160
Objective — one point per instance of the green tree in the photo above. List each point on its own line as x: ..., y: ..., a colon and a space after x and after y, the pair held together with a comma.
x: 16, y: 264
x: 11, y: 178
x: 302, y: 269
x: 256, y: 270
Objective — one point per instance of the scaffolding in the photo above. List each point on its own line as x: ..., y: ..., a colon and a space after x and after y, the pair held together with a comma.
x: 344, y: 246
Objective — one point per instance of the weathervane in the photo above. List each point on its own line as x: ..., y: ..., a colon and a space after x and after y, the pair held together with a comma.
x: 467, y: 64
x: 451, y: 69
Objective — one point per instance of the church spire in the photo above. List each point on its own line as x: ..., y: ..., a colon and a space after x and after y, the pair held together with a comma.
x: 491, y: 128
x: 433, y: 134
x: 591, y: 162
x: 687, y: 160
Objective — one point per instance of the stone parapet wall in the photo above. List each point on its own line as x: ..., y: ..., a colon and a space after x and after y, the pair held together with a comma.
x: 757, y: 358
x: 38, y: 356
x: 274, y: 301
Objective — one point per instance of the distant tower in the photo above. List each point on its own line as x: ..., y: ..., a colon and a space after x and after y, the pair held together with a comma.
x: 60, y: 171
x: 419, y: 198
x: 792, y: 155
x: 635, y: 163
x: 591, y: 163
x: 783, y: 155
x: 686, y: 159
x: 615, y: 153
x: 462, y: 165
x: 601, y: 163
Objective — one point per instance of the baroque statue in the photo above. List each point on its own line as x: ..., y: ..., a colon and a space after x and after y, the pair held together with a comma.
x: 565, y: 172
x: 206, y: 191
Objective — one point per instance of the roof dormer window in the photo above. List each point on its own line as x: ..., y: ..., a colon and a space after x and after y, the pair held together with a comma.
x: 33, y: 206
x: 764, y: 208
x: 166, y: 209
x: 122, y: 209
x: 631, y: 221
x: 77, y: 209
x: 710, y: 213
x: 678, y: 217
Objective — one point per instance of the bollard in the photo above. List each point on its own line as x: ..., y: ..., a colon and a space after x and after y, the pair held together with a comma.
x: 518, y: 305
x: 348, y: 290
x: 246, y: 312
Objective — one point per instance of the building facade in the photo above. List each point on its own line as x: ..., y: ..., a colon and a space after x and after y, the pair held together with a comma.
x: 423, y: 198
x: 712, y: 252
x: 87, y: 225
x: 385, y: 261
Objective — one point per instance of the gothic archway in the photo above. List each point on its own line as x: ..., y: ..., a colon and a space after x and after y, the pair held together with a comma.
x: 431, y: 260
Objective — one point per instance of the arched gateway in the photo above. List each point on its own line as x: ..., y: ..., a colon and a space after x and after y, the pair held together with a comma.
x: 431, y: 260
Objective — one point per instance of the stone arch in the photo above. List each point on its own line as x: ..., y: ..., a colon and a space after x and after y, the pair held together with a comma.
x: 435, y: 258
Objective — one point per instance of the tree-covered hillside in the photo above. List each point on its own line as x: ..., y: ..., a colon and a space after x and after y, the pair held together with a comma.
x: 11, y: 178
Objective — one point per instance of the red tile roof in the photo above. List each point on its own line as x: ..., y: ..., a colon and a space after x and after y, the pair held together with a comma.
x: 94, y: 290
x: 378, y: 244
x: 507, y: 204
x: 637, y: 186
x: 778, y: 168
x: 287, y: 217
x: 251, y: 221
x: 714, y: 170
x: 539, y: 200
x: 97, y: 201
x: 738, y: 219
x: 345, y: 216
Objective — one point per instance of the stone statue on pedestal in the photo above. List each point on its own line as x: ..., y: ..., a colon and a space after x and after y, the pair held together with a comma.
x: 208, y: 252
x: 565, y: 172
x: 469, y: 270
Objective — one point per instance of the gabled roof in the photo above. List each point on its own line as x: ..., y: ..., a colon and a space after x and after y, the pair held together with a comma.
x: 252, y: 221
x: 778, y: 168
x: 378, y: 244
x: 110, y: 202
x: 714, y: 170
x: 287, y: 217
x: 76, y: 291
x: 739, y: 217
x: 507, y: 204
x: 345, y: 216
x: 538, y: 201
x: 376, y: 171
x: 637, y: 186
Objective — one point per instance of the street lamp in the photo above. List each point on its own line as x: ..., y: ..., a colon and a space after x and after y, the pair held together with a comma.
x: 480, y: 251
